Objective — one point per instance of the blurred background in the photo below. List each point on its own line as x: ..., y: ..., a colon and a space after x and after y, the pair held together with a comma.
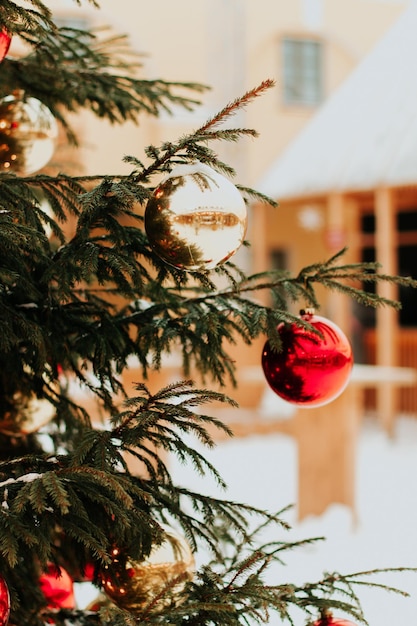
x: 337, y: 149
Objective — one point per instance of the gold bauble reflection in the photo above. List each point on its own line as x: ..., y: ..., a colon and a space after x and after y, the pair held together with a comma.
x: 28, y: 134
x: 196, y: 218
x: 132, y: 585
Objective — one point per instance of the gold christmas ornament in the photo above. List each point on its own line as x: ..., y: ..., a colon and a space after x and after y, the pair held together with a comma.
x: 28, y: 134
x: 132, y: 585
x: 24, y: 414
x: 33, y: 414
x: 196, y: 219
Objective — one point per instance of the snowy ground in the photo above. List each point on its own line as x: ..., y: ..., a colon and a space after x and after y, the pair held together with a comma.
x: 262, y: 472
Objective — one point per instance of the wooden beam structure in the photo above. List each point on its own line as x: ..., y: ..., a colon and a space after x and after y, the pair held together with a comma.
x: 387, y: 317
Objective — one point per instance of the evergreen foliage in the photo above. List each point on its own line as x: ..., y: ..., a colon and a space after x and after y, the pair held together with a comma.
x: 78, y: 307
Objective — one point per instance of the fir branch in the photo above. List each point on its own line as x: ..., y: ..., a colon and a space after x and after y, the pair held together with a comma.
x: 257, y: 195
x: 21, y: 20
x: 160, y: 421
x: 231, y: 108
x: 163, y: 158
x: 83, y: 71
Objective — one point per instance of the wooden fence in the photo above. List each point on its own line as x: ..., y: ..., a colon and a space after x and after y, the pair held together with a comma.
x: 407, y: 357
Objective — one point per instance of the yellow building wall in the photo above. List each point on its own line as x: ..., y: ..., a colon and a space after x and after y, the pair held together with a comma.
x: 232, y: 46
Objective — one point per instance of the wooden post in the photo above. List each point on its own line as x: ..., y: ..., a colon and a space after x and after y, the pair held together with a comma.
x: 336, y: 239
x: 327, y: 443
x: 386, y: 317
x: 258, y: 229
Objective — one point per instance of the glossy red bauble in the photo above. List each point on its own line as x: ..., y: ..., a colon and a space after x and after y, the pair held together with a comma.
x: 4, y: 602
x: 5, y: 40
x: 333, y: 621
x: 58, y: 588
x: 311, y: 369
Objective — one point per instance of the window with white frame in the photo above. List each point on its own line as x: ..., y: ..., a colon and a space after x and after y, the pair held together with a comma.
x: 302, y: 71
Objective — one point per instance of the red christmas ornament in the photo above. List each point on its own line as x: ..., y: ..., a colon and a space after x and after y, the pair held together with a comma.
x: 89, y: 571
x: 58, y: 588
x: 311, y: 369
x: 4, y: 602
x: 5, y: 40
x: 333, y: 621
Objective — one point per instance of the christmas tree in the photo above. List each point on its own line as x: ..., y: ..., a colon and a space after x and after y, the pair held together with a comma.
x: 97, y: 271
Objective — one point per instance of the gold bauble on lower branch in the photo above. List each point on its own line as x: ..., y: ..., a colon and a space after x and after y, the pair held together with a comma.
x: 160, y: 578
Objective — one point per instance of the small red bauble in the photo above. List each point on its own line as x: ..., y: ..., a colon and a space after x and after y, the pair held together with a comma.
x: 89, y: 571
x: 58, y: 588
x: 333, y: 621
x: 4, y: 602
x: 311, y: 369
x: 5, y: 40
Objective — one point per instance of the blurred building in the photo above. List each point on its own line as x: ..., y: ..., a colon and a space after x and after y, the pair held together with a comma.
x: 336, y: 143
x: 309, y: 47
x: 354, y: 167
